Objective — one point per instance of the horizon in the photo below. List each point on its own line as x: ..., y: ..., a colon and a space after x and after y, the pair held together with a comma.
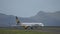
x: 30, y: 16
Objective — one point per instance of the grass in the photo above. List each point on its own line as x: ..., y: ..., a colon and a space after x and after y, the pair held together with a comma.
x: 7, y: 31
x: 51, y: 30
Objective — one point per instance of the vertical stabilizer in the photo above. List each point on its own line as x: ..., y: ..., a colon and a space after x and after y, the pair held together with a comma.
x: 17, y: 20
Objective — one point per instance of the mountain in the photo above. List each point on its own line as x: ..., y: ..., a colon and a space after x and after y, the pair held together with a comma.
x: 47, y: 18
x: 6, y: 20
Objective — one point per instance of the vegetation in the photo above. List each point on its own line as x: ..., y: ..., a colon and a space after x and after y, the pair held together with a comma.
x: 7, y: 31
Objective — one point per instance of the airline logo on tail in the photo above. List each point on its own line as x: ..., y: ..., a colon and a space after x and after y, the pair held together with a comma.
x: 17, y: 20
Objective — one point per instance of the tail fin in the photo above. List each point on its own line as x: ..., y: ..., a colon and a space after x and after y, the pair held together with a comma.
x: 17, y: 20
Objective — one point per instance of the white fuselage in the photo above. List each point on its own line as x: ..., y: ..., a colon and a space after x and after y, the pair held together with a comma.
x: 32, y: 24
x: 29, y: 24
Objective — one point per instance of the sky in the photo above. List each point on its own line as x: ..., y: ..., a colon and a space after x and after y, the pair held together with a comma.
x: 28, y: 8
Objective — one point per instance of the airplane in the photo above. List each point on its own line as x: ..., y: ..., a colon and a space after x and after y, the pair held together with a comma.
x: 25, y: 24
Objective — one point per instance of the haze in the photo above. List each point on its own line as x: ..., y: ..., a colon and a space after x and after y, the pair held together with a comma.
x: 28, y: 8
